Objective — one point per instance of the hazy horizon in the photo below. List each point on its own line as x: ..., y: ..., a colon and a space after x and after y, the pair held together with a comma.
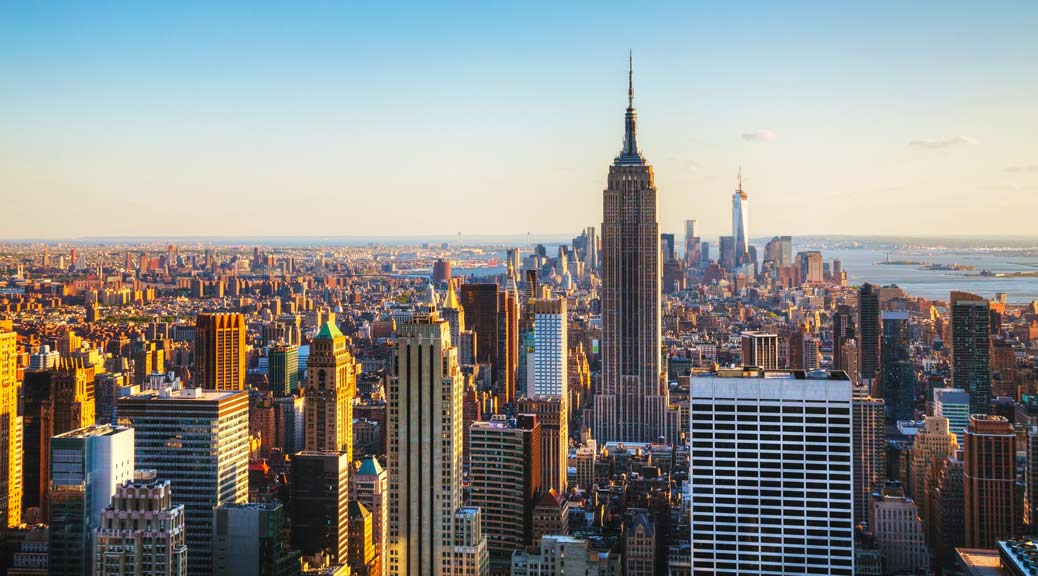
x: 241, y: 120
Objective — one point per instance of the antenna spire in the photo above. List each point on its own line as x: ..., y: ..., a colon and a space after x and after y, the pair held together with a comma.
x: 630, y: 78
x: 740, y: 179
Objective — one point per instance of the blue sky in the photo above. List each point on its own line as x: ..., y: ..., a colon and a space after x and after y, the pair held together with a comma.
x: 361, y: 118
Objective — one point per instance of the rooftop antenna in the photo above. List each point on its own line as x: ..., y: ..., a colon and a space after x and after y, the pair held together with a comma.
x: 630, y: 78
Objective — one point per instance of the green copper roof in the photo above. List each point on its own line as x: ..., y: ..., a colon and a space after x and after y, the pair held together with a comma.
x: 370, y: 466
x: 329, y: 331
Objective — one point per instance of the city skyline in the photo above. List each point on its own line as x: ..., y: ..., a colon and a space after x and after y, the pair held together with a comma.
x: 121, y: 109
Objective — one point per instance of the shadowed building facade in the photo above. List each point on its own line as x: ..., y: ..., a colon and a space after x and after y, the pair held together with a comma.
x: 220, y: 351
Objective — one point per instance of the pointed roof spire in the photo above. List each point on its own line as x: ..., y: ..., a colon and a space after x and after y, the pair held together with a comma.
x: 738, y: 188
x: 630, y: 79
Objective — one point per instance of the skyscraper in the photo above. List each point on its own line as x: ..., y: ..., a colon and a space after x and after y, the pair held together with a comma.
x: 869, y: 328
x: 369, y: 485
x: 10, y: 430
x: 782, y: 486
x: 868, y: 424
x: 507, y: 343
x: 142, y: 531
x: 283, y: 365
x: 199, y: 441
x: 320, y: 488
x: 741, y: 222
x: 504, y: 479
x: 897, y: 378
x: 631, y: 403
x: 248, y: 538
x: 760, y: 349
x: 220, y: 351
x: 970, y: 349
x: 331, y: 384
x: 843, y: 330
x: 953, y: 404
x: 425, y: 436
x: 991, y: 512
x: 934, y: 441
x: 553, y: 420
x: 86, y: 467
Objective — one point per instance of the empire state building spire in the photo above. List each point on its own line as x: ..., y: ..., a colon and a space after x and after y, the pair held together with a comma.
x: 630, y: 156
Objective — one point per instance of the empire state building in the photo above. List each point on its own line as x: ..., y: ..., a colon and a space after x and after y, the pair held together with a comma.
x: 632, y: 400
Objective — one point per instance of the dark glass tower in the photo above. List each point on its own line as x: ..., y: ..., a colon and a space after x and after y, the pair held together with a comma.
x: 970, y: 351
x: 869, y: 327
x: 897, y: 375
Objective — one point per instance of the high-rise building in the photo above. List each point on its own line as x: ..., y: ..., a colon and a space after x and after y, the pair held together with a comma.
x: 283, y: 369
x: 869, y: 428
x: 551, y: 348
x: 934, y: 441
x: 970, y: 349
x: 361, y: 546
x: 782, y: 486
x: 10, y: 430
x: 480, y: 305
x: 726, y: 253
x: 693, y: 254
x: 760, y: 349
x: 810, y: 266
x: 991, y: 511
x: 899, y: 533
x: 320, y: 504
x: 631, y: 404
x: 141, y: 531
x: 897, y: 378
x: 953, y: 404
x: 147, y: 359
x: 507, y: 367
x: 504, y: 480
x: 220, y: 351
x: 471, y: 557
x: 452, y: 311
x: 552, y: 414
x: 741, y: 222
x: 946, y: 528
x: 425, y: 448
x: 667, y: 253
x: 780, y: 251
x: 369, y: 485
x: 843, y: 330
x: 331, y: 384
x: 249, y: 538
x: 869, y: 331
x: 199, y: 441
x: 86, y: 466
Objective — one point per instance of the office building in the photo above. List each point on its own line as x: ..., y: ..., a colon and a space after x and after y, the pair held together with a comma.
x: 552, y: 414
x: 507, y: 367
x: 283, y: 369
x: 759, y: 409
x: 953, y: 404
x: 220, y: 351
x: 331, y: 384
x: 934, y: 441
x: 248, y: 538
x: 844, y: 330
x: 10, y: 430
x: 639, y: 539
x: 760, y: 349
x: 970, y: 349
x: 452, y: 311
x: 320, y: 501
x: 86, y: 466
x: 989, y: 469
x: 741, y: 223
x: 441, y: 270
x: 361, y: 547
x: 868, y: 425
x: 471, y: 557
x: 810, y: 266
x: 504, y: 480
x: 899, y: 533
x: 551, y: 348
x: 667, y: 253
x: 369, y: 486
x: 780, y: 251
x: 580, y: 558
x: 631, y: 404
x: 868, y: 331
x: 897, y: 378
x: 199, y: 441
x: 142, y: 531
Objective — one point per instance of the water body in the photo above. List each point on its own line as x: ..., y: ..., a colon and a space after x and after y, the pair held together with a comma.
x: 865, y: 265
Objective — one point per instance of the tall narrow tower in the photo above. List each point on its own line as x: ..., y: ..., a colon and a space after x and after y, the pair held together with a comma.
x: 632, y: 402
x: 331, y: 384
x: 741, y: 223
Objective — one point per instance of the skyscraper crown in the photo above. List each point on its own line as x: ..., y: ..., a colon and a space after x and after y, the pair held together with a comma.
x: 629, y: 155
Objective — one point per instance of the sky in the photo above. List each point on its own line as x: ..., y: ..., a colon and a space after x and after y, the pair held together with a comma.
x: 364, y: 118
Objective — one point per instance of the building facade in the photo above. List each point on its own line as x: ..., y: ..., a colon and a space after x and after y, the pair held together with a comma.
x: 220, y: 351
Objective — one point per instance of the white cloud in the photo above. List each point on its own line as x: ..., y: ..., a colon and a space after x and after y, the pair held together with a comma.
x: 1023, y: 169
x: 953, y: 142
x: 760, y: 135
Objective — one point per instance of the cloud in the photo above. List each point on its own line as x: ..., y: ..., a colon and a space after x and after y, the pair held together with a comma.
x: 1023, y: 169
x: 953, y: 142
x: 761, y: 135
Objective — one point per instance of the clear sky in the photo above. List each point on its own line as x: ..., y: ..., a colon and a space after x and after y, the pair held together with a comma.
x: 357, y: 118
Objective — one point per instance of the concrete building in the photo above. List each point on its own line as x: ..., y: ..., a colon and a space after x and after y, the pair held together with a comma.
x: 639, y: 538
x: 899, y: 534
x: 142, y: 531
x: 220, y: 351
x: 369, y: 485
x: 991, y: 511
x: 760, y: 349
x: 331, y: 384
x: 199, y: 441
x: 631, y: 404
x: 553, y: 419
x: 10, y: 430
x: 760, y: 410
x: 580, y: 558
x: 248, y: 538
x: 933, y: 442
x: 86, y: 466
x: 971, y: 349
x: 869, y: 465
